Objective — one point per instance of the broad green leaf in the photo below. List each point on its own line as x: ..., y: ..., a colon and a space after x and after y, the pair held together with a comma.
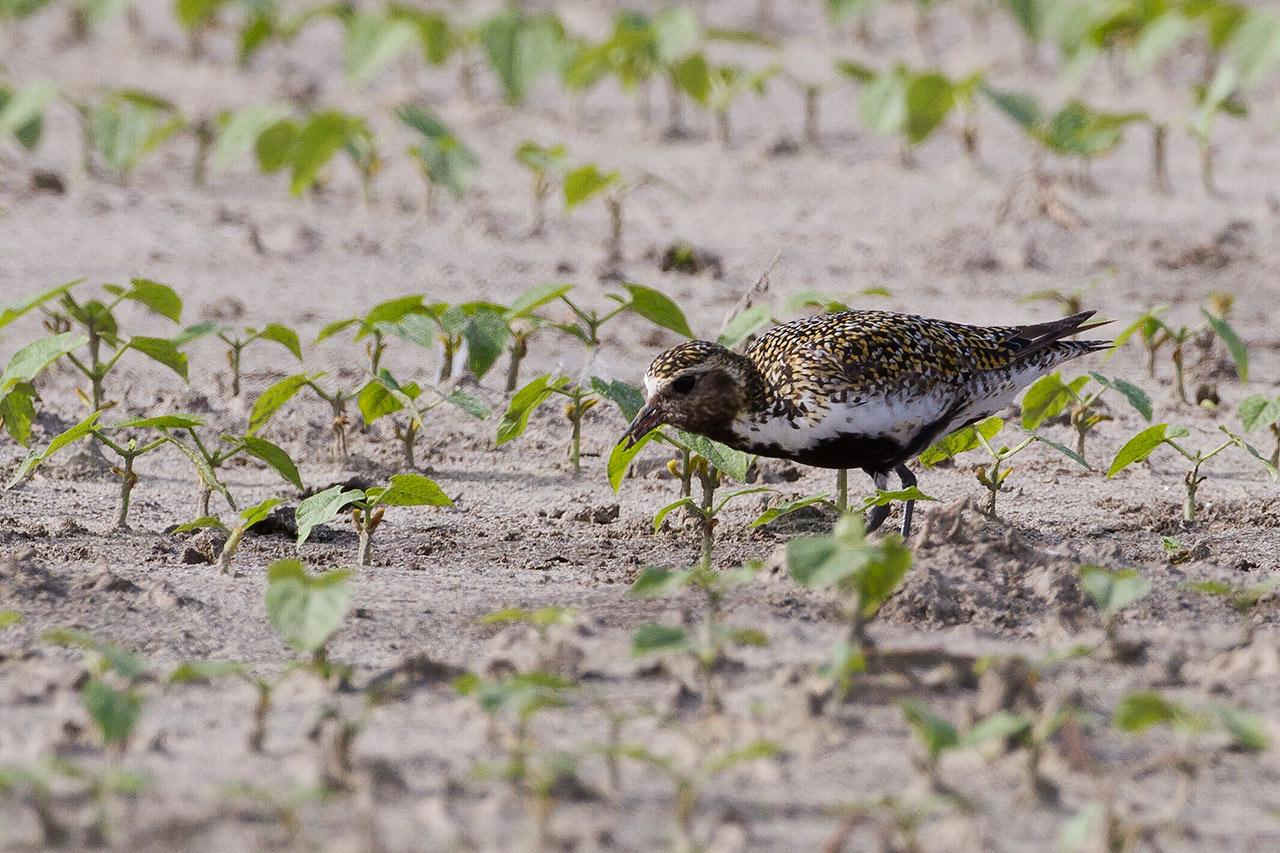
x: 114, y: 711
x: 276, y: 144
x: 884, y: 497
x: 199, y: 330
x: 882, y: 105
x: 444, y: 159
x: 1258, y: 412
x: 158, y: 298
x: 586, y: 182
x: 1254, y: 46
x: 999, y: 726
x: 413, y: 490
x: 775, y: 512
x: 726, y: 460
x: 935, y: 734
x: 321, y: 137
x: 127, y: 125
x: 1137, y: 398
x: 1157, y: 38
x: 1235, y: 346
x: 69, y: 436
x: 258, y: 512
x: 523, y: 402
x: 177, y: 420
x: 1065, y: 451
x: 13, y: 311
x: 521, y: 48
x: 163, y: 351
x: 191, y: 671
x: 1047, y: 398
x: 273, y: 398
x: 627, y: 397
x: 658, y: 309
x: 305, y: 610
x: 239, y: 132
x: 654, y: 639
x: 744, y: 325
x: 204, y: 522
x: 930, y: 97
x: 621, y: 457
x: 1023, y: 108
x: 692, y: 76
x: 373, y: 41
x: 22, y: 112
x: 534, y: 298
x: 1111, y: 592
x: 676, y: 31
x: 1239, y: 442
x: 961, y: 441
x: 273, y: 455
x: 662, y: 514
x: 1143, y: 709
x: 1248, y: 731
x: 1138, y: 448
x: 28, y: 362
x: 486, y: 334
x: 9, y: 618
x: 122, y: 661
x: 656, y: 581
x: 284, y: 336
x: 323, y: 507
x: 18, y: 411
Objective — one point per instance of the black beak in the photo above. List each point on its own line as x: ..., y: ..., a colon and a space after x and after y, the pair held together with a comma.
x: 646, y: 420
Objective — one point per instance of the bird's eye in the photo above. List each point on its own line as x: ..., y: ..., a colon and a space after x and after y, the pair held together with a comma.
x: 684, y: 384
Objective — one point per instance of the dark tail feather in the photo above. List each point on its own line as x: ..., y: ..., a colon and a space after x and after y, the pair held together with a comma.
x: 1042, y: 336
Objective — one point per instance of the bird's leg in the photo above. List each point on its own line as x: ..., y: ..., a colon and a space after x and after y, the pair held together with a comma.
x: 908, y: 480
x: 878, y: 514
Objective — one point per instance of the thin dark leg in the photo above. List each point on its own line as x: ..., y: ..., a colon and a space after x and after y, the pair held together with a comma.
x: 878, y: 514
x: 908, y: 480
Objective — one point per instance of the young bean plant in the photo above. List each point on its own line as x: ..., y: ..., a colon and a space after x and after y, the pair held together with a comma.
x: 993, y: 475
x: 1146, y: 442
x: 383, y: 396
x: 246, y: 519
x: 1111, y: 592
x: 1258, y: 412
x: 238, y: 339
x: 546, y: 166
x: 367, y: 507
x: 1050, y: 396
x: 1154, y: 332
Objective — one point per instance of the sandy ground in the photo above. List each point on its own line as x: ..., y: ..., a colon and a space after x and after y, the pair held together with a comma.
x: 843, y: 219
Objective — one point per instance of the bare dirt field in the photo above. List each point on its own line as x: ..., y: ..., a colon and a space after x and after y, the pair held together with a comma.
x: 982, y: 623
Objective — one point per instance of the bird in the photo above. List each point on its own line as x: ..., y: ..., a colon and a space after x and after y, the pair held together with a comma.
x: 853, y: 389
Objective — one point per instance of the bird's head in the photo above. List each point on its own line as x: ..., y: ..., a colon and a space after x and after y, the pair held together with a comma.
x: 697, y: 386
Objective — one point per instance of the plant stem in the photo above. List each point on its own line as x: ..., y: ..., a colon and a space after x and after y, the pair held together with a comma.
x: 364, y: 551
x: 842, y: 490
x: 686, y: 472
x: 615, y: 257
x: 710, y: 480
x: 812, y: 94
x: 575, y: 439
x: 1206, y: 168
x: 408, y: 438
x: 229, y: 549
x: 1179, y: 383
x: 724, y: 130
x: 233, y: 359
x: 258, y: 733
x: 541, y: 190
x: 206, y: 493
x: 1160, y: 157
x: 127, y: 481
x: 518, y: 350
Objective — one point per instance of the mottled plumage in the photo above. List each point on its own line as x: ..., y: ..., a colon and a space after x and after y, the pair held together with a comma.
x: 856, y: 389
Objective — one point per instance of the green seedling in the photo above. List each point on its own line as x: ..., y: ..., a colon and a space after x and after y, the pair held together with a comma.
x: 587, y: 182
x: 306, y: 610
x: 512, y: 704
x: 541, y: 620
x: 195, y: 671
x: 716, y: 87
x: 1076, y: 132
x: 238, y: 339
x: 1146, y: 709
x: 281, y: 806
x: 1146, y: 442
x: 374, y: 39
x: 546, y: 165
x: 126, y: 447
x: 644, y: 301
x: 881, y: 497
x: 247, y: 519
x: 1257, y: 412
x: 895, y: 819
x: 305, y: 148
x: 383, y: 396
x: 1154, y: 332
x: 106, y: 344
x: 864, y: 573
x: 1069, y: 301
x: 912, y: 105
x: 521, y: 48
x: 477, y: 329
x: 17, y: 391
x: 1111, y: 592
x: 707, y: 643
x: 939, y: 737
x: 1244, y: 600
x: 711, y: 464
x: 122, y: 128
x: 1050, y: 396
x: 812, y: 93
x: 22, y: 110
x: 443, y: 158
x: 375, y: 325
x: 9, y: 618
x: 34, y: 787
x: 689, y: 778
x: 523, y: 322
x: 112, y: 695
x: 992, y: 476
x: 367, y: 507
